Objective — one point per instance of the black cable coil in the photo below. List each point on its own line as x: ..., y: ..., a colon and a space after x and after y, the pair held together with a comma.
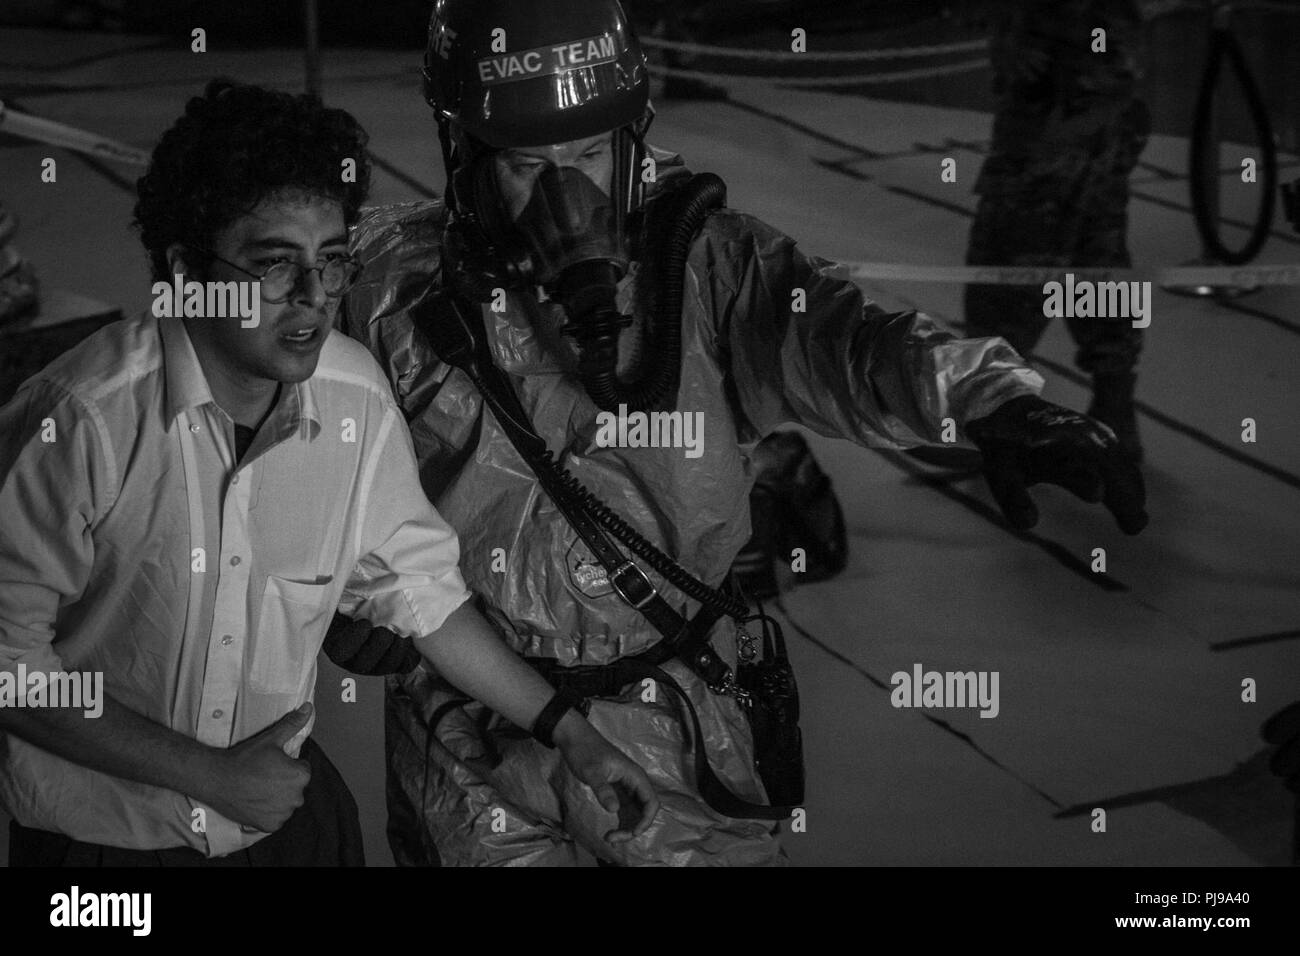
x: 687, y: 209
x: 1224, y: 43
x: 680, y: 578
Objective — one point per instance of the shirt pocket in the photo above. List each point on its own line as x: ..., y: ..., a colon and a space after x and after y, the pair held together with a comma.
x: 289, y: 632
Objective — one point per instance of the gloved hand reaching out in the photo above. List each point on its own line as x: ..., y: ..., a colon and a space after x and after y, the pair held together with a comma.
x: 1027, y: 441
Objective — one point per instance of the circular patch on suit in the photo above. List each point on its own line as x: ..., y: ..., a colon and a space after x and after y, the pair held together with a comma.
x: 585, y: 571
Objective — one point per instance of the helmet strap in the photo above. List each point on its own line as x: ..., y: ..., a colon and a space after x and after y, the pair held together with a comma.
x: 448, y: 162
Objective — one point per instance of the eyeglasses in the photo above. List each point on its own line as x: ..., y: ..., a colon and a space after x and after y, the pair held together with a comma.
x: 279, y: 281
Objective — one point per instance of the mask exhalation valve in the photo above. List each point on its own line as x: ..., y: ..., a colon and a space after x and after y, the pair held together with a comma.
x: 587, y: 291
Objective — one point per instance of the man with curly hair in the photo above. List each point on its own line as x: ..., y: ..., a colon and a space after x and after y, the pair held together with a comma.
x: 189, y: 498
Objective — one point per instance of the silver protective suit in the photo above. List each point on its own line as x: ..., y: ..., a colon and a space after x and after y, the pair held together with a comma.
x: 481, y: 790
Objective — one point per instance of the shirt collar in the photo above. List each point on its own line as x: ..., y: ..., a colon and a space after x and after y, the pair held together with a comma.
x: 187, y: 387
x: 295, y: 412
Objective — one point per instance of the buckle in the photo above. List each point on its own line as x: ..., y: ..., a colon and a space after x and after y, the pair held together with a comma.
x: 746, y: 645
x: 640, y: 585
x: 727, y: 687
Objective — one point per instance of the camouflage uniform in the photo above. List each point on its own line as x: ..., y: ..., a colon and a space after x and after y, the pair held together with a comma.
x: 1054, y: 188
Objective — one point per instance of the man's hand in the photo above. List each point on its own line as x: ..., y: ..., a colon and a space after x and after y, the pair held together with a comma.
x: 1027, y: 441
x: 470, y: 655
x: 620, y: 785
x: 359, y: 648
x: 260, y: 785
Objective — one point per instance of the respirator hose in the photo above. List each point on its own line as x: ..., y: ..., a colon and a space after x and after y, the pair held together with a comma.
x: 597, y: 333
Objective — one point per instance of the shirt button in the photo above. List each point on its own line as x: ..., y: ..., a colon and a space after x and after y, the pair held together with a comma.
x: 226, y: 639
x: 234, y: 560
x: 218, y: 713
x: 194, y: 428
x: 234, y: 480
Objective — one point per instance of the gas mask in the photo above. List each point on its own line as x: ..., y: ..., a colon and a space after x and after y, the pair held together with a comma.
x: 572, y: 234
x: 569, y: 221
x: 576, y: 241
x: 570, y: 237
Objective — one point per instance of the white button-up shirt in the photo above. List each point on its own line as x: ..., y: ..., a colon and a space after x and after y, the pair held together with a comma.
x: 131, y: 544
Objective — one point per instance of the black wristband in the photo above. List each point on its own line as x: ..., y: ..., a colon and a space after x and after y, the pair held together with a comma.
x: 552, y: 713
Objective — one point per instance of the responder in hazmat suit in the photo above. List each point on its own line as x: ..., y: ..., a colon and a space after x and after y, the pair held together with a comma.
x: 551, y: 232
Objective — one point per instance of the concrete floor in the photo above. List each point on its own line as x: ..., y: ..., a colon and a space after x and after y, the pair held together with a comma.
x: 1105, y: 692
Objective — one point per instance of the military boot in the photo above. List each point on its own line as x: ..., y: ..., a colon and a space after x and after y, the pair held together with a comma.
x: 1112, y: 403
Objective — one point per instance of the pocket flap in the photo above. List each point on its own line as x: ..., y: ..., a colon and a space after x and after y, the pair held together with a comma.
x: 310, y: 593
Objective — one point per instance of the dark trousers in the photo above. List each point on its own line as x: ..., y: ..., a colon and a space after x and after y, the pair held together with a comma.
x: 324, y: 831
x: 1068, y: 131
x: 1071, y: 209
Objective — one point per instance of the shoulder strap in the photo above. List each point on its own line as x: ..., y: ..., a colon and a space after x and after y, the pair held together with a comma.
x: 453, y: 334
x: 457, y: 337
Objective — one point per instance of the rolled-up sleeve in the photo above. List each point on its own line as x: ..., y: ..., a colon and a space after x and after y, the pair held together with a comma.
x: 407, y: 578
x: 53, y: 469
x: 803, y: 346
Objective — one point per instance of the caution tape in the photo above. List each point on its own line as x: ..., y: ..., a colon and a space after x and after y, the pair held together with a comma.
x: 1155, y: 9
x: 69, y: 137
x: 1241, y: 276
x: 1267, y: 6
x: 895, y: 76
x: 836, y: 56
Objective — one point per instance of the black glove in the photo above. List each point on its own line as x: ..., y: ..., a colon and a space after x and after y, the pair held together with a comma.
x: 359, y: 648
x: 1027, y: 440
x: 1283, y: 730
